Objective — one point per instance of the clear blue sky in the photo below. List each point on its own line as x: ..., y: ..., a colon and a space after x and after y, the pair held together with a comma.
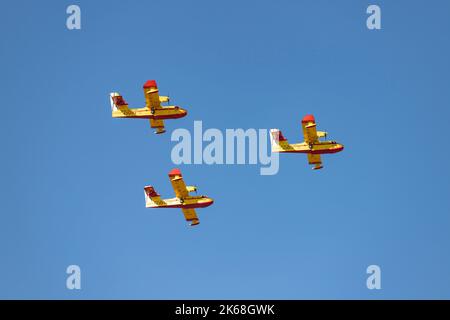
x: 72, y: 177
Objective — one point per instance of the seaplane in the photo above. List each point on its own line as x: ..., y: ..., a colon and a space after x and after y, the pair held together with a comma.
x: 153, y: 110
x: 183, y: 200
x: 312, y: 146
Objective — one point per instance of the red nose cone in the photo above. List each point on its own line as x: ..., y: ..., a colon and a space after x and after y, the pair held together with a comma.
x: 308, y: 118
x: 175, y: 172
x: 150, y: 84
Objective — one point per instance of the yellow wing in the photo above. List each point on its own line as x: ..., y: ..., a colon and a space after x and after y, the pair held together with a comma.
x: 178, y: 184
x: 191, y: 216
x: 310, y: 133
x: 315, y: 160
x: 158, y: 125
x: 152, y: 99
x: 309, y: 129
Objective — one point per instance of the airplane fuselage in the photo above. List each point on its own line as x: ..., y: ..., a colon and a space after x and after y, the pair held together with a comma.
x: 166, y: 112
x: 190, y: 202
x: 316, y: 148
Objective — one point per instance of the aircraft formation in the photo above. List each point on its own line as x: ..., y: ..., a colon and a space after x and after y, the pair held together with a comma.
x: 156, y: 113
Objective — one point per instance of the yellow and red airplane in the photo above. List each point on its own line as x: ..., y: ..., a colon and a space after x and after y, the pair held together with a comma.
x: 182, y: 199
x: 312, y: 146
x: 153, y: 109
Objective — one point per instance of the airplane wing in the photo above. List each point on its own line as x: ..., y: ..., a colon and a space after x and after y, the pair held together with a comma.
x: 315, y: 160
x: 191, y: 216
x: 158, y: 125
x: 151, y: 95
x: 309, y: 129
x: 310, y: 133
x: 178, y: 184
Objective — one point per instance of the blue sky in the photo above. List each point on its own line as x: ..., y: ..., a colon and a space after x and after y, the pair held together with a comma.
x: 73, y: 177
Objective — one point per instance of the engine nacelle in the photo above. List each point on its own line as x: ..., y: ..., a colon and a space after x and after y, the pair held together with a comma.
x: 164, y: 99
x: 191, y: 188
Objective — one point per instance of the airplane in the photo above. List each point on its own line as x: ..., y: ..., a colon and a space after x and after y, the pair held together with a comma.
x: 312, y: 146
x: 182, y: 199
x: 153, y: 109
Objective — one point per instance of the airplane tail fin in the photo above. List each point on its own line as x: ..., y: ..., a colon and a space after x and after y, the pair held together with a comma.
x: 117, y: 101
x: 278, y: 141
x: 152, y: 198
